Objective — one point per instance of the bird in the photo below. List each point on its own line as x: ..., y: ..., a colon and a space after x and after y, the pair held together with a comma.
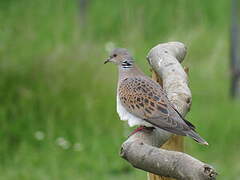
x: 143, y: 102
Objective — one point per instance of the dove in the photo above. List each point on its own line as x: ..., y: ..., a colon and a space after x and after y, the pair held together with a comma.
x: 142, y: 102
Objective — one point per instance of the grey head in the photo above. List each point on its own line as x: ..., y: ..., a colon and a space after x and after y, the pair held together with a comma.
x: 122, y: 57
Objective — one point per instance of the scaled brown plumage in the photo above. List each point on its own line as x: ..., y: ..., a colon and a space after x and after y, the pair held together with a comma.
x: 145, y: 99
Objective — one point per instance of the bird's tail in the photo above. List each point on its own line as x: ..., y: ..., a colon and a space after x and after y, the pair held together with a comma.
x: 196, y: 137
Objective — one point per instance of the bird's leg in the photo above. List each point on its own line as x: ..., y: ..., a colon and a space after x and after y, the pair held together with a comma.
x: 141, y: 128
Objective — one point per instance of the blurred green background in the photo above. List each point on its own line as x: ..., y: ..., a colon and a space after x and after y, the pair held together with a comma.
x: 58, y: 118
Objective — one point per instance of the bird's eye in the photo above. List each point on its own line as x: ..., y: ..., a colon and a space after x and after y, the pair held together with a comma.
x: 114, y: 55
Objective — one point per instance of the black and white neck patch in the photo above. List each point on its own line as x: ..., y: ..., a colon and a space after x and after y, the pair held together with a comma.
x: 127, y: 63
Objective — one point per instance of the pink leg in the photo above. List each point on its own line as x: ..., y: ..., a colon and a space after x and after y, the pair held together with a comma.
x: 140, y: 128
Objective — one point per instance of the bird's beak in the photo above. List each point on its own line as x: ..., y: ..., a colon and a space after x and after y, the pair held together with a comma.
x: 108, y: 60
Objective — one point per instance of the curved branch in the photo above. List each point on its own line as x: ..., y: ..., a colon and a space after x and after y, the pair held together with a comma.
x: 164, y: 59
x: 140, y: 152
x: 140, y: 149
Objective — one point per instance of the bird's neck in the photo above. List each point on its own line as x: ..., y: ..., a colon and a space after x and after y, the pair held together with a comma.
x: 128, y: 70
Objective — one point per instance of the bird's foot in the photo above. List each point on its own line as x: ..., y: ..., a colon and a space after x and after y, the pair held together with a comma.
x: 141, y: 128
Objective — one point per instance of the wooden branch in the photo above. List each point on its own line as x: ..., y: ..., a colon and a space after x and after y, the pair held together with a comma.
x: 164, y: 59
x: 140, y: 149
x: 175, y: 143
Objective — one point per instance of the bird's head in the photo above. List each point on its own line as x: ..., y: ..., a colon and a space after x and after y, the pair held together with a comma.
x: 120, y: 56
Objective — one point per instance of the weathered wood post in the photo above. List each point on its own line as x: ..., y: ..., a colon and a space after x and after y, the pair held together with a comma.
x: 175, y: 143
x: 83, y: 5
x: 142, y: 148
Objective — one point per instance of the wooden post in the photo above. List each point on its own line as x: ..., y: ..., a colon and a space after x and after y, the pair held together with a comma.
x: 175, y: 143
x: 235, y: 56
x: 83, y: 10
x: 141, y: 149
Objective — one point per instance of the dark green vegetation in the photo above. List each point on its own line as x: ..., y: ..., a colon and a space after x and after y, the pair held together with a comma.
x: 53, y: 84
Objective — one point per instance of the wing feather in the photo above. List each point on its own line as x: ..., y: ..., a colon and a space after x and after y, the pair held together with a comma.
x: 145, y: 99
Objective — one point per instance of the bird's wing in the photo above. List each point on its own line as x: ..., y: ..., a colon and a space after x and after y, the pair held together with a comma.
x: 145, y: 99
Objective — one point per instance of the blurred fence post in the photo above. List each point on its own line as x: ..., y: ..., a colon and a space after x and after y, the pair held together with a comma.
x: 234, y: 45
x: 83, y: 8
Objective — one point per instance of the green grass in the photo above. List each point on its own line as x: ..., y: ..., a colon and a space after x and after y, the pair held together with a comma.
x: 52, y: 80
